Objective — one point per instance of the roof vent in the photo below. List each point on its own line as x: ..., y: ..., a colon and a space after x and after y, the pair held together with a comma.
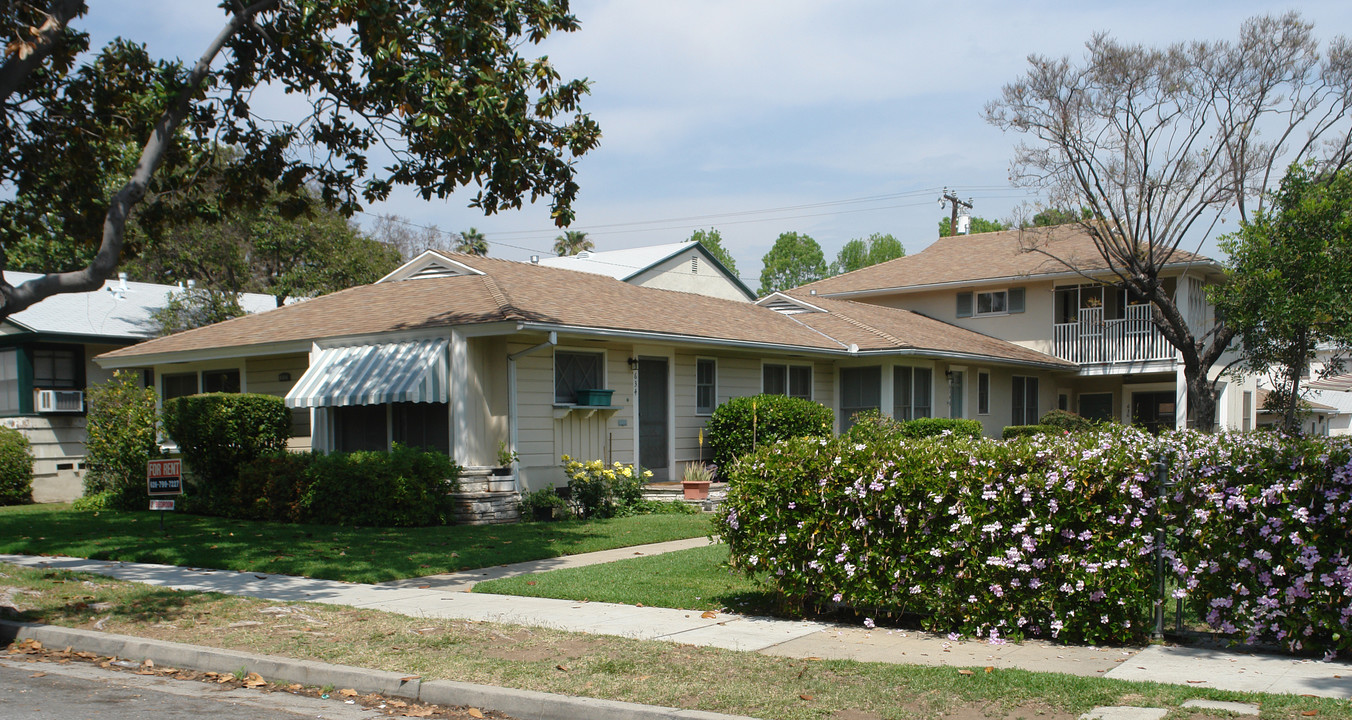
x: 435, y: 270
x: 787, y: 307
x: 584, y: 255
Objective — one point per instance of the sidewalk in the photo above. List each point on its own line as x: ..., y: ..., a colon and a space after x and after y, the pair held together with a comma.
x: 448, y: 597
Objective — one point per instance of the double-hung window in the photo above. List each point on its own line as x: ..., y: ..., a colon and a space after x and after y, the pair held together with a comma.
x: 56, y: 368
x: 575, y: 371
x: 706, y: 386
x: 791, y: 380
x: 991, y: 302
x: 911, y: 390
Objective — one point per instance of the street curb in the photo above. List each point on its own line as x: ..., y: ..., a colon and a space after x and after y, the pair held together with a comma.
x: 524, y: 704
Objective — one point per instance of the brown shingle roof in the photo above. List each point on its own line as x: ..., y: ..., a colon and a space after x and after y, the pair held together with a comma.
x: 515, y: 291
x: 985, y: 256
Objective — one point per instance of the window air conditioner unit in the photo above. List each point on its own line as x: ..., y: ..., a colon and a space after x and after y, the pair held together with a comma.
x: 52, y: 401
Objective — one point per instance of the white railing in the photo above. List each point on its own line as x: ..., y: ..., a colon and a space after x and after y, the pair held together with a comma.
x: 1095, y: 340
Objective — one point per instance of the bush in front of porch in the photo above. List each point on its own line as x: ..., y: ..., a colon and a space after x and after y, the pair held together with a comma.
x: 743, y: 424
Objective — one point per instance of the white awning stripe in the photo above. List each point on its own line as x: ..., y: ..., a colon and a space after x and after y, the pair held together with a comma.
x: 375, y: 374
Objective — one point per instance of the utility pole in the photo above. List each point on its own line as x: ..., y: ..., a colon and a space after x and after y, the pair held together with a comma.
x: 953, y: 198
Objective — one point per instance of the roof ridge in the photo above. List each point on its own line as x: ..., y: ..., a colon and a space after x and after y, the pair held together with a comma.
x: 499, y: 296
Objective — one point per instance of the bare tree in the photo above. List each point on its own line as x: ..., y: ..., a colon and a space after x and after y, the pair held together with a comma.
x: 1160, y: 145
x: 409, y: 238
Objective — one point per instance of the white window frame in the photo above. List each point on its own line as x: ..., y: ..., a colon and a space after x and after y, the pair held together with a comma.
x: 1037, y: 399
x: 976, y: 302
x: 554, y: 369
x: 713, y: 386
x: 788, y: 378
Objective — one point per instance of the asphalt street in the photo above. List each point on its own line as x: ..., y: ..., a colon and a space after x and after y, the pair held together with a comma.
x: 80, y: 691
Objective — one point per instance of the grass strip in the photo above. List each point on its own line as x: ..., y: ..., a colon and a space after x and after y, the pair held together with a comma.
x: 352, y: 554
x: 695, y: 579
x: 595, y: 666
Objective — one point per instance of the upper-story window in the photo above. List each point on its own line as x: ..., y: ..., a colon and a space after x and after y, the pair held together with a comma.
x: 56, y: 368
x: 991, y: 302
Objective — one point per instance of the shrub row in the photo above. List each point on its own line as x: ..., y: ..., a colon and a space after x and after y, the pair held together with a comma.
x: 400, y: 488
x: 1052, y: 535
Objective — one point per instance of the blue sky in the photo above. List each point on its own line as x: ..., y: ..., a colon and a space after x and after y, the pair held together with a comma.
x: 758, y: 117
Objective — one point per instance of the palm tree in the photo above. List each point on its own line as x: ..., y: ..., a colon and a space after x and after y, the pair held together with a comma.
x: 472, y: 242
x: 572, y: 242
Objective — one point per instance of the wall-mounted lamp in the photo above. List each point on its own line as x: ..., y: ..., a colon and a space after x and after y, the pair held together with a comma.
x: 633, y: 363
x: 283, y: 377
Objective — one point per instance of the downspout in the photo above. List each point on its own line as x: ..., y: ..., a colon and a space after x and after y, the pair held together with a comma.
x: 512, y: 420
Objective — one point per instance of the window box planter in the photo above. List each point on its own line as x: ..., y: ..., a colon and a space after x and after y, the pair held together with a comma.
x: 592, y: 397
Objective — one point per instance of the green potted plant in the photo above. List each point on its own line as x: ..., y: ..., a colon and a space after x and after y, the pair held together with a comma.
x: 543, y: 504
x: 500, y: 478
x: 695, y: 482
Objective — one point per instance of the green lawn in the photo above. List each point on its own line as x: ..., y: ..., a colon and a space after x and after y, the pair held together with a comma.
x: 335, y: 553
x: 696, y: 579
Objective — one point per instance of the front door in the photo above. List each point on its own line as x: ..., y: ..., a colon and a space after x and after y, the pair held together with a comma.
x: 652, y: 416
x: 956, y: 393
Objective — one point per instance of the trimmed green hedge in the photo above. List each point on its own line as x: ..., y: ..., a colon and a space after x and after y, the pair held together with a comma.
x: 16, y: 468
x: 1066, y: 420
x: 742, y: 424
x: 218, y: 433
x: 1017, y: 431
x: 405, y: 487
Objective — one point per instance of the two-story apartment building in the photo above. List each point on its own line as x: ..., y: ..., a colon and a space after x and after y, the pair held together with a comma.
x: 1048, y: 289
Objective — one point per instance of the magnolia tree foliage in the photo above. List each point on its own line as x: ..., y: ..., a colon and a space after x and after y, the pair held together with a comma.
x: 439, y: 87
x: 1160, y: 144
x: 1290, y: 280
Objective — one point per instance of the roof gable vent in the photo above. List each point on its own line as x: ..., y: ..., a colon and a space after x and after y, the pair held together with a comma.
x: 436, y: 270
x: 781, y: 303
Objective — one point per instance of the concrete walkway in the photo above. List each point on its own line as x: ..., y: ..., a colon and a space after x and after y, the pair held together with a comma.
x: 437, y: 598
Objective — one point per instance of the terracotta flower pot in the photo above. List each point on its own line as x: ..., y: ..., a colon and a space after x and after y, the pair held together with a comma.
x: 695, y: 489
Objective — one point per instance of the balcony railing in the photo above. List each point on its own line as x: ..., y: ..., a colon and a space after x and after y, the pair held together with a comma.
x: 1096, y: 340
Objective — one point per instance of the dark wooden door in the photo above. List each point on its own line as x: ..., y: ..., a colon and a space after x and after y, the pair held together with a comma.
x: 652, y: 416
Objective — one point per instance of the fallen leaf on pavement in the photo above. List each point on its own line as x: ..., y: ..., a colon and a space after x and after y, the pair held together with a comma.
x: 474, y: 712
x: 348, y: 692
x: 1196, y: 682
x: 418, y: 712
x: 964, y: 672
x: 990, y: 668
x: 38, y: 674
x: 708, y: 614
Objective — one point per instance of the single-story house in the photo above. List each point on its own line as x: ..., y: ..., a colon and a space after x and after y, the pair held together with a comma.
x: 47, y: 362
x: 464, y: 353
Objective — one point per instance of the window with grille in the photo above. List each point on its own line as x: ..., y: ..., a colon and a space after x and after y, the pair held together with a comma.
x: 1023, y: 398
x: 575, y: 371
x: 860, y: 391
x: 791, y: 380
x: 56, y: 368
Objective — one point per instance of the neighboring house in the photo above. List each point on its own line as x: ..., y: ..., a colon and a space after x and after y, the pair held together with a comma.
x: 1318, y: 418
x: 684, y: 266
x: 461, y: 353
x: 46, y: 363
x: 992, y: 283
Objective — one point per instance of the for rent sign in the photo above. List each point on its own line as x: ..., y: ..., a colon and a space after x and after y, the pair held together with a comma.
x: 164, y: 477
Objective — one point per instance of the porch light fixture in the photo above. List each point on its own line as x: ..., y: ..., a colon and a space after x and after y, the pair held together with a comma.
x: 633, y: 363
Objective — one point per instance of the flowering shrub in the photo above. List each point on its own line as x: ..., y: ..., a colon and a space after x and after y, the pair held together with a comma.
x: 601, y: 492
x: 1264, y: 527
x: 1052, y: 535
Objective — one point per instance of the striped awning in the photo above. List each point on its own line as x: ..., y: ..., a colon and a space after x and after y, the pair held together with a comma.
x: 374, y: 374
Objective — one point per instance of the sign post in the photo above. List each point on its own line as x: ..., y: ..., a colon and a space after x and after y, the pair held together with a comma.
x: 163, y: 477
